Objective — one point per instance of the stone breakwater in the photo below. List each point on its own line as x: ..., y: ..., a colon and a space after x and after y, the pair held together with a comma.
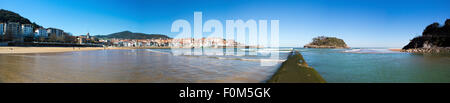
x: 296, y: 70
x: 440, y: 50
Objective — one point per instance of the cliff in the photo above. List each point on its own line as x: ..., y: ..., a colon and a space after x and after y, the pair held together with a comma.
x: 434, y: 39
x: 326, y: 42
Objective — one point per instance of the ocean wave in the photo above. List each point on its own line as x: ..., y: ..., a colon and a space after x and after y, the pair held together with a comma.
x: 234, y: 57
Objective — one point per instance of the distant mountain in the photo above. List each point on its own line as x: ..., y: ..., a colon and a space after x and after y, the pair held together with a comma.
x: 9, y: 16
x: 326, y: 42
x: 131, y: 35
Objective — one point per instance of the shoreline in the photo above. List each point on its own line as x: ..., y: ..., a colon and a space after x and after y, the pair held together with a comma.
x: 28, y: 50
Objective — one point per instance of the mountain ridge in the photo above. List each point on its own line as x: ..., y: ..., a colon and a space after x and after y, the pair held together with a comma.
x: 9, y: 16
x: 131, y: 35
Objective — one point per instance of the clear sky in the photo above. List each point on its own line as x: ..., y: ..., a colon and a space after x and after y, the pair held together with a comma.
x: 361, y: 23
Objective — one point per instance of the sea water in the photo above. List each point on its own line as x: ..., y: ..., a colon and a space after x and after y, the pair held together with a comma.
x: 364, y: 65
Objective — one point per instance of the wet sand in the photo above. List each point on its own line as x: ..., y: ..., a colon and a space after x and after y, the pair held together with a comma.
x: 127, y: 66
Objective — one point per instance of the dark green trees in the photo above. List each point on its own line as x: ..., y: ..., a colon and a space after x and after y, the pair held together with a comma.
x: 434, y: 35
x: 326, y: 42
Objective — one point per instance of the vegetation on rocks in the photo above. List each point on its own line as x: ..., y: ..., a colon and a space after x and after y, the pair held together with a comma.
x: 326, y: 42
x: 434, y: 39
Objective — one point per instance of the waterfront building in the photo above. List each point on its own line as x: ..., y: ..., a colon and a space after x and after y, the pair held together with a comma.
x: 81, y: 40
x: 12, y: 32
x: 41, y: 32
x: 26, y: 30
x: 55, y: 32
x: 2, y: 29
x: 88, y: 36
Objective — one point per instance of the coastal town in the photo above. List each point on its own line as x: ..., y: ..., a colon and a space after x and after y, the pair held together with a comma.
x: 17, y: 33
x: 16, y: 30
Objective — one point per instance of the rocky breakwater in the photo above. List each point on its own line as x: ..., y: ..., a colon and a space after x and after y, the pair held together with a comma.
x: 435, y: 39
x: 296, y: 70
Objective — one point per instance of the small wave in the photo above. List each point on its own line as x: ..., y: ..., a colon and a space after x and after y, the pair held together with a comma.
x: 263, y: 51
x: 268, y: 50
x: 264, y: 60
x: 237, y: 57
x: 241, y: 59
x: 352, y: 51
x: 157, y: 51
x: 370, y: 51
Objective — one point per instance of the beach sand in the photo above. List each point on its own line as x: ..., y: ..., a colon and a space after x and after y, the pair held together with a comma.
x: 395, y: 49
x: 24, y: 50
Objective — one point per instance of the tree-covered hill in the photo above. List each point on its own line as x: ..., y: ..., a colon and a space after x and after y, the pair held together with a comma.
x: 131, y: 35
x: 434, y: 35
x: 9, y: 16
x: 326, y: 42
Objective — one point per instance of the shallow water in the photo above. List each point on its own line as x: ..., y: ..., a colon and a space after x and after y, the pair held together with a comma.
x: 128, y: 66
x: 377, y: 65
x: 218, y: 65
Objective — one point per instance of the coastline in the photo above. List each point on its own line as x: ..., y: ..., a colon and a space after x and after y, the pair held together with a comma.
x: 26, y: 50
x: 433, y: 50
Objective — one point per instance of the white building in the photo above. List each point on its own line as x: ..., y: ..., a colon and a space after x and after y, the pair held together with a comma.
x: 27, y: 30
x: 2, y: 27
x: 41, y: 32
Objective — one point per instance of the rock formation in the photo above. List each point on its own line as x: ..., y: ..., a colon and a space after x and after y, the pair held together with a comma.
x: 434, y: 39
x: 326, y: 42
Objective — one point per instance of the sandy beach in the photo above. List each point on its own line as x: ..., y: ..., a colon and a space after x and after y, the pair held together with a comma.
x: 20, y: 50
x: 24, y: 50
x: 395, y: 49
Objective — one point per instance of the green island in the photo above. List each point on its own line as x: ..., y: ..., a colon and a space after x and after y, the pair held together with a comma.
x: 435, y: 39
x: 296, y: 70
x: 326, y: 42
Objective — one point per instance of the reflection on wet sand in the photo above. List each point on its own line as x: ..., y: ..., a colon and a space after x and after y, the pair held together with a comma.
x: 127, y: 66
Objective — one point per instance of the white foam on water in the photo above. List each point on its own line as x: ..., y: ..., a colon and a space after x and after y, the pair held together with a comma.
x: 370, y: 51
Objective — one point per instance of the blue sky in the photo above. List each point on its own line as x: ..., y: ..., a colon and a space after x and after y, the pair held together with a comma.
x: 361, y: 23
